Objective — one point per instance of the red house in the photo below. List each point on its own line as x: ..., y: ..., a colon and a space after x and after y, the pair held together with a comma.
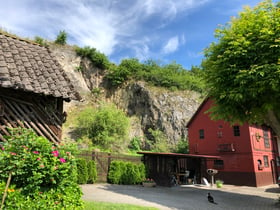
x: 249, y: 153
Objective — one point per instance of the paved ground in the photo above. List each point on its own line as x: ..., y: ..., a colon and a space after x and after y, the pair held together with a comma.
x: 186, y: 197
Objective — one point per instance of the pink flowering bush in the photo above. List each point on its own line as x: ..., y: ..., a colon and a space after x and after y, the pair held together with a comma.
x: 39, y: 170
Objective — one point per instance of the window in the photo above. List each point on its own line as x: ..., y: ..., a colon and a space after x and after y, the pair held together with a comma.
x: 265, y: 160
x: 220, y: 134
x: 266, y: 139
x: 201, y: 134
x: 278, y: 161
x: 236, y: 130
x: 219, y: 163
x: 260, y: 166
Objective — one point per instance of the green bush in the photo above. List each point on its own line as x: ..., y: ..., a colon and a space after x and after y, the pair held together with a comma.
x: 43, y: 176
x: 106, y: 126
x: 182, y: 146
x: 115, y: 172
x: 99, y: 59
x: 82, y: 171
x: 61, y: 38
x: 121, y: 172
x: 92, y: 173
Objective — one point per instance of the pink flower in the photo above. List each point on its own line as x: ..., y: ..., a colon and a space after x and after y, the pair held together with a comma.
x: 38, y: 159
x: 35, y: 152
x: 55, y: 153
x: 2, y: 148
x: 42, y: 166
x: 12, y: 153
x: 55, y: 168
x: 62, y: 160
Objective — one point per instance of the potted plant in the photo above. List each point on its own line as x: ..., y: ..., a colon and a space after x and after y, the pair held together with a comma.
x: 219, y: 183
x: 148, y: 183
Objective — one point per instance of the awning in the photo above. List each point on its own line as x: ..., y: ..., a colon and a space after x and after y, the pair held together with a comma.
x: 180, y: 155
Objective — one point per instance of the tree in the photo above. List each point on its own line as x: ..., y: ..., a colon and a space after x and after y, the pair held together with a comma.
x: 109, y: 128
x: 61, y: 38
x: 242, y: 68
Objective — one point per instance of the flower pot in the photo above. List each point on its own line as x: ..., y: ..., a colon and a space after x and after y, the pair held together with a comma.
x: 149, y: 184
x: 219, y: 184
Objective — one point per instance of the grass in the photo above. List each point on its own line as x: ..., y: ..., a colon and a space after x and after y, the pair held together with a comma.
x: 93, y: 205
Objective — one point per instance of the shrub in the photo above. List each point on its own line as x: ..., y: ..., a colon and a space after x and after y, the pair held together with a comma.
x: 99, y: 59
x: 121, y: 172
x: 92, y: 173
x: 40, y: 41
x: 42, y: 175
x: 61, y: 38
x: 183, y: 146
x: 115, y: 172
x: 107, y: 127
x: 82, y: 171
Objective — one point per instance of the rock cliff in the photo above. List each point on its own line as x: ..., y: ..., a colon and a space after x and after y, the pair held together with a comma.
x: 148, y: 107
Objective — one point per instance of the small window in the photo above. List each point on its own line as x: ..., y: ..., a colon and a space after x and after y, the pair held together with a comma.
x: 236, y: 130
x: 219, y: 163
x: 265, y: 160
x: 266, y: 139
x: 220, y: 134
x: 201, y: 134
x: 260, y: 166
x: 278, y: 161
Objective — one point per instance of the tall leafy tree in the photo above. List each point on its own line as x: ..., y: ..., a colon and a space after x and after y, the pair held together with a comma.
x: 243, y: 67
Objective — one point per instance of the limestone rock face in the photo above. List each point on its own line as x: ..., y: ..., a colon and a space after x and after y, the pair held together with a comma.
x: 148, y: 107
x: 158, y: 108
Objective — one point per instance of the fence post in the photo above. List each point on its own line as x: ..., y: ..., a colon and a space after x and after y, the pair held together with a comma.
x: 109, y: 160
x: 93, y: 155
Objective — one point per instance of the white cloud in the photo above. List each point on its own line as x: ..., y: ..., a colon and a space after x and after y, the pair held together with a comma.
x: 171, y: 46
x: 105, y: 24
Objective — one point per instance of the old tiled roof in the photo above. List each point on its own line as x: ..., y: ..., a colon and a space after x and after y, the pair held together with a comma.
x: 32, y: 68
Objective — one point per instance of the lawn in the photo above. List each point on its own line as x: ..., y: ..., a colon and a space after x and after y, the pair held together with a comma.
x: 92, y: 205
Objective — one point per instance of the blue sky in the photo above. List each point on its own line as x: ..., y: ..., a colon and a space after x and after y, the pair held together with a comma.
x: 165, y: 30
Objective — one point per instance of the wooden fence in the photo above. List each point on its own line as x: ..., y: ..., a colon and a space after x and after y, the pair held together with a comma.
x: 103, y: 160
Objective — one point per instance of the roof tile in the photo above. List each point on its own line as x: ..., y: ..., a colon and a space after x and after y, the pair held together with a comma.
x: 31, y: 67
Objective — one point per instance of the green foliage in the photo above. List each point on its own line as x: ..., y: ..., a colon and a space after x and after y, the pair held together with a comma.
x: 242, y: 69
x: 121, y: 172
x: 79, y: 68
x: 40, y: 41
x: 61, y: 38
x: 115, y: 172
x: 85, y: 120
x: 100, y: 60
x: 172, y: 76
x: 82, y: 171
x: 96, y: 92
x: 126, y: 70
x: 107, y: 126
x: 182, y: 146
x: 92, y: 173
x: 159, y: 141
x: 43, y: 175
x: 135, y: 143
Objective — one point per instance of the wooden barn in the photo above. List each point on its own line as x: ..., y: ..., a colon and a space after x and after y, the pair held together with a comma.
x: 163, y: 168
x: 33, y: 87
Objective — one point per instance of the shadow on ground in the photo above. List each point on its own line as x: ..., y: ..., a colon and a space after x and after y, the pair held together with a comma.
x: 179, y: 197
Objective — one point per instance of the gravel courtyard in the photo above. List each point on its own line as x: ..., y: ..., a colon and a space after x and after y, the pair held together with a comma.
x: 186, y: 197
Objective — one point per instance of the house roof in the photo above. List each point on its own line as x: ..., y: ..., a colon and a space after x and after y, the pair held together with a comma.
x: 197, y: 111
x: 180, y: 155
x: 32, y: 68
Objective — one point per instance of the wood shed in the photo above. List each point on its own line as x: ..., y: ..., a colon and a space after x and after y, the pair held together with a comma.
x: 33, y: 87
x: 163, y: 168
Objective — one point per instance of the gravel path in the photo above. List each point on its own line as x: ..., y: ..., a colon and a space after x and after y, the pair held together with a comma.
x: 186, y: 197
